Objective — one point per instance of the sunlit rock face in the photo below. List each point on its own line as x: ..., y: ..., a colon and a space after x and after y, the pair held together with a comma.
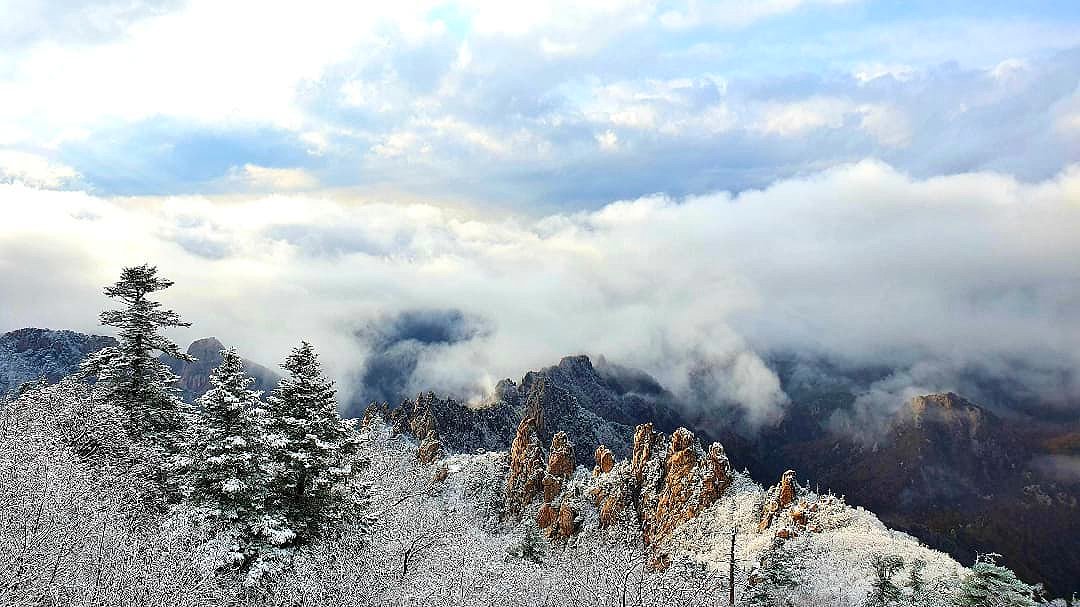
x: 526, y: 477
x: 667, y: 482
x: 780, y: 497
x: 605, y: 460
x: 429, y: 448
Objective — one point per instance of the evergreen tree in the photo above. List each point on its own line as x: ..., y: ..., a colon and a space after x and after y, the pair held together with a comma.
x: 311, y: 446
x: 916, y: 584
x: 991, y: 585
x: 883, y: 591
x: 532, y: 546
x: 130, y: 377
x: 230, y: 477
x: 775, y: 576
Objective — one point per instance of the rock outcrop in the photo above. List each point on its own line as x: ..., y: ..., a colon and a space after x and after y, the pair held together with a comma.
x: 560, y: 466
x: 667, y: 482
x: 526, y: 476
x: 566, y: 524
x: 592, y: 406
x: 693, y: 480
x: 428, y: 451
x: 605, y: 460
x: 557, y: 514
x: 777, y: 500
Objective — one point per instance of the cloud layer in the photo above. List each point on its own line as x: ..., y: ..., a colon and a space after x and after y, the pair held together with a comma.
x: 862, y: 263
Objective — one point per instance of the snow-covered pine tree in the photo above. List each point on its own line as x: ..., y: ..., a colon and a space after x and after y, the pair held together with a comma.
x: 916, y: 584
x: 532, y: 546
x: 775, y: 576
x: 130, y: 377
x: 883, y: 591
x: 991, y: 585
x: 311, y: 447
x: 230, y: 473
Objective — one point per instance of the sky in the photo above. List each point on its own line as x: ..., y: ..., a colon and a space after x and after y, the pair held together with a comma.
x: 477, y: 188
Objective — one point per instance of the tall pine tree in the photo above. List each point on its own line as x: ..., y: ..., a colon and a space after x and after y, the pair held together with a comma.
x: 131, y: 378
x: 231, y: 477
x: 311, y: 446
x: 991, y: 585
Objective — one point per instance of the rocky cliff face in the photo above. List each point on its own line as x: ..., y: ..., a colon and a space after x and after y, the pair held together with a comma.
x: 195, y: 377
x: 30, y: 354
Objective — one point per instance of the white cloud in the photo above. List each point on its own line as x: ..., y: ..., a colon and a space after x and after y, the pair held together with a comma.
x: 888, y: 124
x: 672, y: 107
x: 735, y: 13
x: 399, y: 144
x: 608, y: 140
x: 260, y: 178
x: 35, y: 170
x: 799, y: 118
x: 210, y: 62
x: 860, y: 261
x: 869, y: 72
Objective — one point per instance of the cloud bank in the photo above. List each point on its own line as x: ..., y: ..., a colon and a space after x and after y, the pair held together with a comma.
x: 862, y: 263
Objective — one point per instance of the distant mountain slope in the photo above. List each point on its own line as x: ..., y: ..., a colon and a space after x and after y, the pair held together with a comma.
x: 195, y: 377
x: 952, y: 472
x: 29, y: 354
x: 593, y: 406
x: 963, y: 480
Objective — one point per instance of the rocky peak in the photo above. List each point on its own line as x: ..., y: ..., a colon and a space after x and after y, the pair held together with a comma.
x: 560, y: 466
x: 573, y: 396
x: 558, y: 514
x: 791, y: 518
x: 946, y: 409
x: 428, y: 451
x: 195, y: 376
x: 205, y: 348
x: 693, y: 480
x: 525, y: 480
x: 577, y: 366
x: 605, y: 460
x: 667, y: 481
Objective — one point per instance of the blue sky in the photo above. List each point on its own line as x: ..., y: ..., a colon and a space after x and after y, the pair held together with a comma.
x: 547, y: 108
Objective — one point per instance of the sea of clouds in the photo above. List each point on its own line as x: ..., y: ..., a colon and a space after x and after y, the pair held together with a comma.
x: 860, y: 263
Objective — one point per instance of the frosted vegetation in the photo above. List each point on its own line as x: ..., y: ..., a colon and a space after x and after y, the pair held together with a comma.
x: 115, y: 493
